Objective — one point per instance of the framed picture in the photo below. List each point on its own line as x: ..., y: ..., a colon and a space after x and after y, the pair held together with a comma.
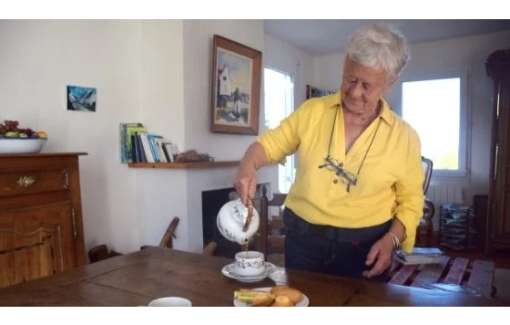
x: 81, y: 99
x: 235, y: 87
x: 312, y: 91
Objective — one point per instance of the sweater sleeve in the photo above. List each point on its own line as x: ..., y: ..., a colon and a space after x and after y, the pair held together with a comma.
x: 409, y: 192
x: 284, y: 140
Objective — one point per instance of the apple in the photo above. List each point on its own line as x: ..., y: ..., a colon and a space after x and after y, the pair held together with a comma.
x: 11, y: 134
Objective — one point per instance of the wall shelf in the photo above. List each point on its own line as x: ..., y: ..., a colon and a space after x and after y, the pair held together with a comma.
x: 187, y: 165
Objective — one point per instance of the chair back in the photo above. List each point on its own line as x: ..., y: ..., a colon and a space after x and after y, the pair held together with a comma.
x: 265, y: 205
x: 427, y: 165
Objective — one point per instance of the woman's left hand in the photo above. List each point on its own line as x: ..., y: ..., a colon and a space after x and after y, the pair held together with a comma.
x: 380, y: 253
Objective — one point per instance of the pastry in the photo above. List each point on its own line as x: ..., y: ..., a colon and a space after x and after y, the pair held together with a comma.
x: 254, y: 297
x: 282, y: 301
x: 293, y: 294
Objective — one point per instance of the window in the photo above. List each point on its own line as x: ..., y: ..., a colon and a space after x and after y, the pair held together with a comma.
x: 278, y: 104
x: 434, y: 108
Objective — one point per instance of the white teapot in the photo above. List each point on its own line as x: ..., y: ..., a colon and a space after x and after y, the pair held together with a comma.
x: 231, y: 219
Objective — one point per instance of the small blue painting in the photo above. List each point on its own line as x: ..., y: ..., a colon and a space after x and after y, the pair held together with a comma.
x: 81, y: 99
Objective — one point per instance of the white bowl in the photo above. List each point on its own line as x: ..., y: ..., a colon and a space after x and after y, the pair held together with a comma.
x: 170, y: 302
x: 21, y: 145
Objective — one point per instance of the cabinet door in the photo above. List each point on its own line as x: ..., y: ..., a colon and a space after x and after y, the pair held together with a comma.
x: 35, y: 242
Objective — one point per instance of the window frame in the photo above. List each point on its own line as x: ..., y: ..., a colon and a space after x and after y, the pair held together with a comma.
x: 464, y: 131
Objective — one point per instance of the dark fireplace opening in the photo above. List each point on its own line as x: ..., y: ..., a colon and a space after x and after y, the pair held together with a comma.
x: 212, y: 201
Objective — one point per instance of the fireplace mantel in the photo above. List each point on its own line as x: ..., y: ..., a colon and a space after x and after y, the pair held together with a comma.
x: 187, y: 165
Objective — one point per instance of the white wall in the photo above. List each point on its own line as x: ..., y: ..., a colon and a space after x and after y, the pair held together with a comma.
x: 155, y: 72
x: 468, y: 55
x: 327, y: 70
x: 198, y: 36
x: 297, y: 63
x: 137, y: 70
x: 162, y: 194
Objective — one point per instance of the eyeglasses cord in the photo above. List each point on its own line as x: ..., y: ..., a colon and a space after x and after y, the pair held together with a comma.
x: 366, y: 152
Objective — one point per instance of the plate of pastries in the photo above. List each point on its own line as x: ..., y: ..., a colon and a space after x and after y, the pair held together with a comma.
x: 277, y: 296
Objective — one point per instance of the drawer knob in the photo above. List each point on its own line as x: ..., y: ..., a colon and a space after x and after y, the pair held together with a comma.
x: 26, y: 181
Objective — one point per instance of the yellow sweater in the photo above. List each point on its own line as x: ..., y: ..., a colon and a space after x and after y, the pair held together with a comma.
x: 390, y: 181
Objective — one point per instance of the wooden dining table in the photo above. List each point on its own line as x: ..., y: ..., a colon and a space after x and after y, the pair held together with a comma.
x: 137, y: 278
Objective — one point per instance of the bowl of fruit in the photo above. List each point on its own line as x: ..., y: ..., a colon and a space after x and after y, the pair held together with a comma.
x: 14, y: 139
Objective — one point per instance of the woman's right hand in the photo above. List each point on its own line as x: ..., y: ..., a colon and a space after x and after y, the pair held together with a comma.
x: 246, y: 179
x: 246, y: 184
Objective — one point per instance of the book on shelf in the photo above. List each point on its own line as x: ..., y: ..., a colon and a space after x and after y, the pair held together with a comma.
x: 154, y: 147
x: 138, y: 145
x: 171, y: 150
x: 134, y: 151
x: 147, y: 148
x: 126, y: 146
x: 135, y: 148
x: 139, y: 149
x: 168, y: 155
x: 138, y: 153
x: 419, y: 255
x: 162, y: 155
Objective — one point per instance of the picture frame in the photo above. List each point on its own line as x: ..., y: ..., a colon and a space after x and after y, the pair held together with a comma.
x: 312, y: 92
x: 235, y: 90
x: 82, y: 99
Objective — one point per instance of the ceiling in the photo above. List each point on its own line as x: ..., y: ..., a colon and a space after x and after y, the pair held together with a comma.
x: 326, y: 36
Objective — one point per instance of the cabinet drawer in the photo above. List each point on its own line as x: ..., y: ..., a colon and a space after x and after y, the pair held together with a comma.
x: 33, y: 181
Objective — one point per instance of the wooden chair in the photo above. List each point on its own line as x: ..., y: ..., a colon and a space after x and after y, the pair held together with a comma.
x: 272, y: 238
x: 427, y: 166
x: 30, y: 254
x: 102, y: 252
x: 425, y: 228
x: 167, y: 239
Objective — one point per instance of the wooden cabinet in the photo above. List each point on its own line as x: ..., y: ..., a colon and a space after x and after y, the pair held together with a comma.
x: 41, y: 229
x: 498, y: 221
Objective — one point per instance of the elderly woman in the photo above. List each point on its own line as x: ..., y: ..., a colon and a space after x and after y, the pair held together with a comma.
x: 358, y: 193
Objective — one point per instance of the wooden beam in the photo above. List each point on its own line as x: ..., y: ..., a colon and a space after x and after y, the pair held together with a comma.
x: 430, y: 273
x: 403, y: 274
x: 482, y: 277
x: 457, y: 270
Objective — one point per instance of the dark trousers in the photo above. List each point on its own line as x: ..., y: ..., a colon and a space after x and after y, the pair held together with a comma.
x: 331, y: 250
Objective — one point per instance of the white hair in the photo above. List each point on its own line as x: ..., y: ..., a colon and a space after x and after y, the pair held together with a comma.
x: 379, y: 46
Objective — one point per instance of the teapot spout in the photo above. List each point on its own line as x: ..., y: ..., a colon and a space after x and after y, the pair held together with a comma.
x: 243, y: 240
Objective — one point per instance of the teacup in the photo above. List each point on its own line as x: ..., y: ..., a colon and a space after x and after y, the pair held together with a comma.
x: 249, y: 263
x: 170, y: 302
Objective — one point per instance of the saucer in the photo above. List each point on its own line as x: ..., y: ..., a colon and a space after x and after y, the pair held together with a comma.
x: 229, y: 271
